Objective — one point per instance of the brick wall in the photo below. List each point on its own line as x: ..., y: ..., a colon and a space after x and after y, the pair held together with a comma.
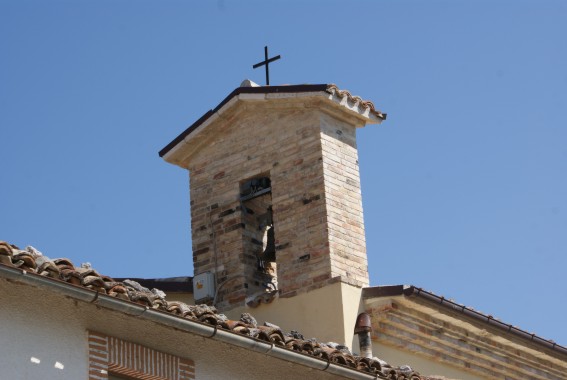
x: 343, y: 200
x: 311, y: 159
x: 116, y: 356
x: 441, y: 339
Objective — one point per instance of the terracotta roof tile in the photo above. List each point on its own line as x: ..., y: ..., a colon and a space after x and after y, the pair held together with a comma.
x: 333, y: 89
x: 33, y: 261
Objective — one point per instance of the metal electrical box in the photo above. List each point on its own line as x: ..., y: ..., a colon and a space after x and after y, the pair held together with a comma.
x: 204, y: 287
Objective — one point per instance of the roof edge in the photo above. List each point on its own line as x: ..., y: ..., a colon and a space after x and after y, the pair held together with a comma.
x: 199, y: 328
x: 414, y: 291
x: 301, y: 88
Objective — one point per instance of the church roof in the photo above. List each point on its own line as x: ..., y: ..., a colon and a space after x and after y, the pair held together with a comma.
x: 30, y: 265
x: 411, y: 291
x: 331, y: 91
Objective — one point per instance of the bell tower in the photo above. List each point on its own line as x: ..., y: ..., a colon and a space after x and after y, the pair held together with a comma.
x: 276, y: 208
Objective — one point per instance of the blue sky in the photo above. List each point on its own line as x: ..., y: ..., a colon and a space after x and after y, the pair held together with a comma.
x: 464, y: 186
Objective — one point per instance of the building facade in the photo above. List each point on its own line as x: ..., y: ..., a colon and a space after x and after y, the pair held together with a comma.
x: 278, y: 236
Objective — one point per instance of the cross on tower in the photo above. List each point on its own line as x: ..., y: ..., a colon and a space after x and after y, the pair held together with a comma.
x: 266, y: 62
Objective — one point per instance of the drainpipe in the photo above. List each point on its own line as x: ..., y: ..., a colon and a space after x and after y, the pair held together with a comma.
x: 363, y: 328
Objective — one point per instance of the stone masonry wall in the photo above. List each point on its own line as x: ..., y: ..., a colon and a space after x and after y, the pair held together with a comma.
x: 318, y: 237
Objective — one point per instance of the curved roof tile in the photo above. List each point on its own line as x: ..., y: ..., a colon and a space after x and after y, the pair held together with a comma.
x: 33, y: 261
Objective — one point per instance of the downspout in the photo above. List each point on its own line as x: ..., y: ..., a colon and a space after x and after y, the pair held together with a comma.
x: 363, y: 328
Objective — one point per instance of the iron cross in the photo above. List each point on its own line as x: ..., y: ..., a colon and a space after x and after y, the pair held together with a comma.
x: 266, y: 62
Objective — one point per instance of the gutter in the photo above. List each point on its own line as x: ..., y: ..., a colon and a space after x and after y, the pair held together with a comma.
x: 198, y: 328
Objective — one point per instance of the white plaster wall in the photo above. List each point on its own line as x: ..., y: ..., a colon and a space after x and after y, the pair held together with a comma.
x: 39, y: 339
x: 351, y: 306
x: 327, y: 314
x: 187, y: 298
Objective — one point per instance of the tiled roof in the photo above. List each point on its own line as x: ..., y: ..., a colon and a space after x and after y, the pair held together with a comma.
x: 33, y: 261
x: 333, y: 89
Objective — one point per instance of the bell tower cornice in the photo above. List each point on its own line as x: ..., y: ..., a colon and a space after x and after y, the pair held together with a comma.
x: 326, y: 97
